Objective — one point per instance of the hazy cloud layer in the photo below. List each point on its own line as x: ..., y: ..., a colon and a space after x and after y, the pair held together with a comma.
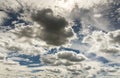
x: 104, y: 16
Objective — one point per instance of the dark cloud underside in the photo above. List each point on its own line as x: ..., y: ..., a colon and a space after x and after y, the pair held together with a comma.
x: 53, y: 27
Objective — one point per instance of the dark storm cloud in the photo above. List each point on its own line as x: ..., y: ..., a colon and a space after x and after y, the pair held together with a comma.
x: 53, y: 27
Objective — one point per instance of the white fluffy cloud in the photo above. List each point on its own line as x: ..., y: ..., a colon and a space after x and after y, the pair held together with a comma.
x: 71, y: 64
x: 104, y: 42
x: 64, y: 63
x: 11, y: 42
x: 59, y: 65
x: 63, y: 58
x: 12, y: 69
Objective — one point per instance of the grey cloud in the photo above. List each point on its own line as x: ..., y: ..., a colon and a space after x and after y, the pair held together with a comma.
x: 53, y: 27
x: 55, y: 61
x: 70, y: 56
x: 102, y: 16
x: 114, y: 37
x: 104, y: 42
x: 62, y: 58
x: 2, y: 57
x: 25, y: 32
x: 48, y: 60
x: 87, y: 18
x: 110, y: 50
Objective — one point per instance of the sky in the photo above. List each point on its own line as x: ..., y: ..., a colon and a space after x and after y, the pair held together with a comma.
x: 59, y: 38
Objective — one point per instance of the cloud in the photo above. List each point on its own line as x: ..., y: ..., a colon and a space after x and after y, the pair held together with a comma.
x: 3, y: 17
x: 30, y: 39
x: 8, y: 69
x: 80, y: 69
x: 102, y: 16
x: 56, y: 66
x: 104, y: 42
x: 53, y: 30
x: 33, y: 35
x: 11, y: 42
x: 71, y: 64
x: 70, y: 56
x: 63, y: 58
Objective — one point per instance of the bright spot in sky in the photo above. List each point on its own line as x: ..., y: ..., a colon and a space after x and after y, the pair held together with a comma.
x: 66, y: 4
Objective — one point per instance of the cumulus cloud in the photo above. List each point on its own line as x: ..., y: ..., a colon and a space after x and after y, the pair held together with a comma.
x: 80, y: 69
x: 12, y: 69
x: 53, y: 32
x: 70, y: 56
x: 10, y: 41
x: 56, y: 66
x: 63, y: 58
x: 76, y: 65
x: 53, y: 27
x: 104, y: 42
